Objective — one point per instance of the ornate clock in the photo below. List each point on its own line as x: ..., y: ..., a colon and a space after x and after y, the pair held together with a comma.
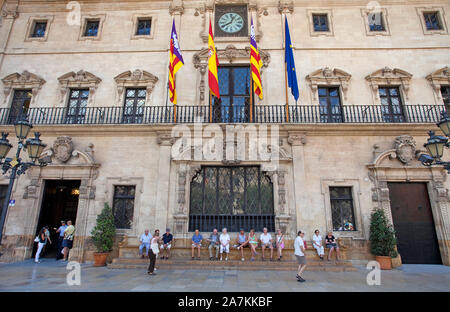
x: 231, y: 21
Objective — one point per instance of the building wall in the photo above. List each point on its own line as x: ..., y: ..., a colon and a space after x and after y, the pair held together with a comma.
x: 140, y: 154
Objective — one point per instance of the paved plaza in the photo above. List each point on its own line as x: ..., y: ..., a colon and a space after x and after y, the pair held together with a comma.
x: 50, y: 275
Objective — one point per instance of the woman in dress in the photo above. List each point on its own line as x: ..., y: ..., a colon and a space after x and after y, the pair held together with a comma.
x: 253, y: 242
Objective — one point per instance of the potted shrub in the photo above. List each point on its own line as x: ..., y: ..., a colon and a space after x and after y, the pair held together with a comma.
x: 382, y: 239
x: 103, y: 235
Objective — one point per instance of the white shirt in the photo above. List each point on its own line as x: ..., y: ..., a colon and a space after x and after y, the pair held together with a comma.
x: 265, y: 238
x: 224, y: 239
x: 146, y: 238
x: 298, y: 243
x: 317, y: 239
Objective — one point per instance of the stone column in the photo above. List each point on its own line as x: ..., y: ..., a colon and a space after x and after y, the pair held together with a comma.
x: 165, y: 142
x: 297, y: 140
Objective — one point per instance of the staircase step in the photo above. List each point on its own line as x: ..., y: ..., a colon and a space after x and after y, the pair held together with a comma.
x: 137, y: 263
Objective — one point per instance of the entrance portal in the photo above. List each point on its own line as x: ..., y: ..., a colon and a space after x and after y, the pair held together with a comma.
x: 413, y: 223
x: 60, y: 202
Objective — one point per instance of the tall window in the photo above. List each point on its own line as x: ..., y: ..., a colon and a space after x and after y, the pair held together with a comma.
x: 20, y: 105
x: 376, y: 22
x: 134, y: 105
x: 342, y: 209
x: 320, y: 22
x: 39, y: 29
x: 231, y: 197
x: 76, y: 108
x: 123, y: 206
x: 234, y: 103
x: 330, y: 104
x: 144, y: 26
x: 91, y: 29
x: 391, y: 104
x: 432, y: 20
x: 445, y: 91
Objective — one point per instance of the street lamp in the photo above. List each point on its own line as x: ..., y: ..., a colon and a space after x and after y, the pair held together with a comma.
x: 436, y: 143
x: 15, y: 165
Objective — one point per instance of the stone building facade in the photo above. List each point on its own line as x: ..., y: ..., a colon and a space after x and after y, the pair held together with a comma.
x: 373, y: 77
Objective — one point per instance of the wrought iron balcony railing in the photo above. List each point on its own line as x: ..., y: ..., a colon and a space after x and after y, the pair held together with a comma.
x: 297, y: 114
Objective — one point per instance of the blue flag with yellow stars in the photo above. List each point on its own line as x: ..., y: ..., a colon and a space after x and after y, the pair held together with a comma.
x: 290, y: 64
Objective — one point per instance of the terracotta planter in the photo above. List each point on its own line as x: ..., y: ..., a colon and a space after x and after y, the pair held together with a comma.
x: 100, y: 258
x: 385, y: 262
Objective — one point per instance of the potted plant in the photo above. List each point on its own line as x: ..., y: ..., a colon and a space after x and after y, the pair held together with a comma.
x: 382, y: 239
x: 103, y: 235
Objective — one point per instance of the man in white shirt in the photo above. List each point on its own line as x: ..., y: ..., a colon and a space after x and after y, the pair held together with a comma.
x: 145, y: 242
x: 266, y: 242
x: 299, y: 251
x: 317, y: 243
x: 224, y: 243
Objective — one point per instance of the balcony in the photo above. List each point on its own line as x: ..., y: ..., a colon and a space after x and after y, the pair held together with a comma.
x: 266, y: 114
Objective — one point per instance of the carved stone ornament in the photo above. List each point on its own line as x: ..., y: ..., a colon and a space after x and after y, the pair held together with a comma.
x: 25, y: 80
x: 438, y: 78
x: 285, y: 6
x: 80, y: 79
x: 63, y: 148
x: 405, y: 148
x: 327, y: 76
x: 136, y: 78
x: 387, y: 76
x: 176, y: 7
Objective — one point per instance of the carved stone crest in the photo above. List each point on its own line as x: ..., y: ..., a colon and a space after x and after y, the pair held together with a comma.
x: 405, y: 148
x: 62, y: 148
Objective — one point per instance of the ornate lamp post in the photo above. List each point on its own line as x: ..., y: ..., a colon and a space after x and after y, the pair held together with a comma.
x: 15, y: 165
x: 436, y: 143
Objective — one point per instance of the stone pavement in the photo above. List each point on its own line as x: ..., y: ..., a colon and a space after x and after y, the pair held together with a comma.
x: 50, y: 275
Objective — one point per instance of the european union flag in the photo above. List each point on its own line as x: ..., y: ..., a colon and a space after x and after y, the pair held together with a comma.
x: 290, y: 64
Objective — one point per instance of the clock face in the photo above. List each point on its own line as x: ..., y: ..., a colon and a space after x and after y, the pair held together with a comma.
x: 231, y: 23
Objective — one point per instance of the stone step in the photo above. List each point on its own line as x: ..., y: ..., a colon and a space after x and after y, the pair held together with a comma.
x: 138, y: 263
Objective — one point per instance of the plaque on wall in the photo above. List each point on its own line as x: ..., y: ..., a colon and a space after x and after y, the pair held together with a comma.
x: 231, y: 21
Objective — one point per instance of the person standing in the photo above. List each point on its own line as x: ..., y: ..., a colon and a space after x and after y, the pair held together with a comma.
x: 224, y: 244
x: 145, y: 243
x: 154, y: 251
x: 167, y: 244
x: 299, y: 251
x: 68, y: 239
x: 317, y: 243
x: 60, y: 231
x: 214, y: 243
x: 266, y: 242
x: 42, y: 240
x: 280, y: 244
x: 196, y: 243
x: 48, y: 240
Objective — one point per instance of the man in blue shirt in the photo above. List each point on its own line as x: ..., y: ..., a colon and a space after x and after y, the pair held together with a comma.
x: 167, y: 244
x: 196, y: 243
x: 60, y: 230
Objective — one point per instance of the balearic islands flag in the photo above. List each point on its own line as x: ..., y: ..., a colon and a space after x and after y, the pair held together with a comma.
x: 176, y: 61
x: 255, y: 63
x: 213, y: 63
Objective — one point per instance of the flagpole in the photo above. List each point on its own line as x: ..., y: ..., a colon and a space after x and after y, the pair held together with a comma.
x: 210, y: 107
x: 286, y: 89
x: 251, y: 98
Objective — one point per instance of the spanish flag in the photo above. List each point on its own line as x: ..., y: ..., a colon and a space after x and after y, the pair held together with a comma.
x: 176, y: 61
x: 255, y: 63
x: 213, y: 63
